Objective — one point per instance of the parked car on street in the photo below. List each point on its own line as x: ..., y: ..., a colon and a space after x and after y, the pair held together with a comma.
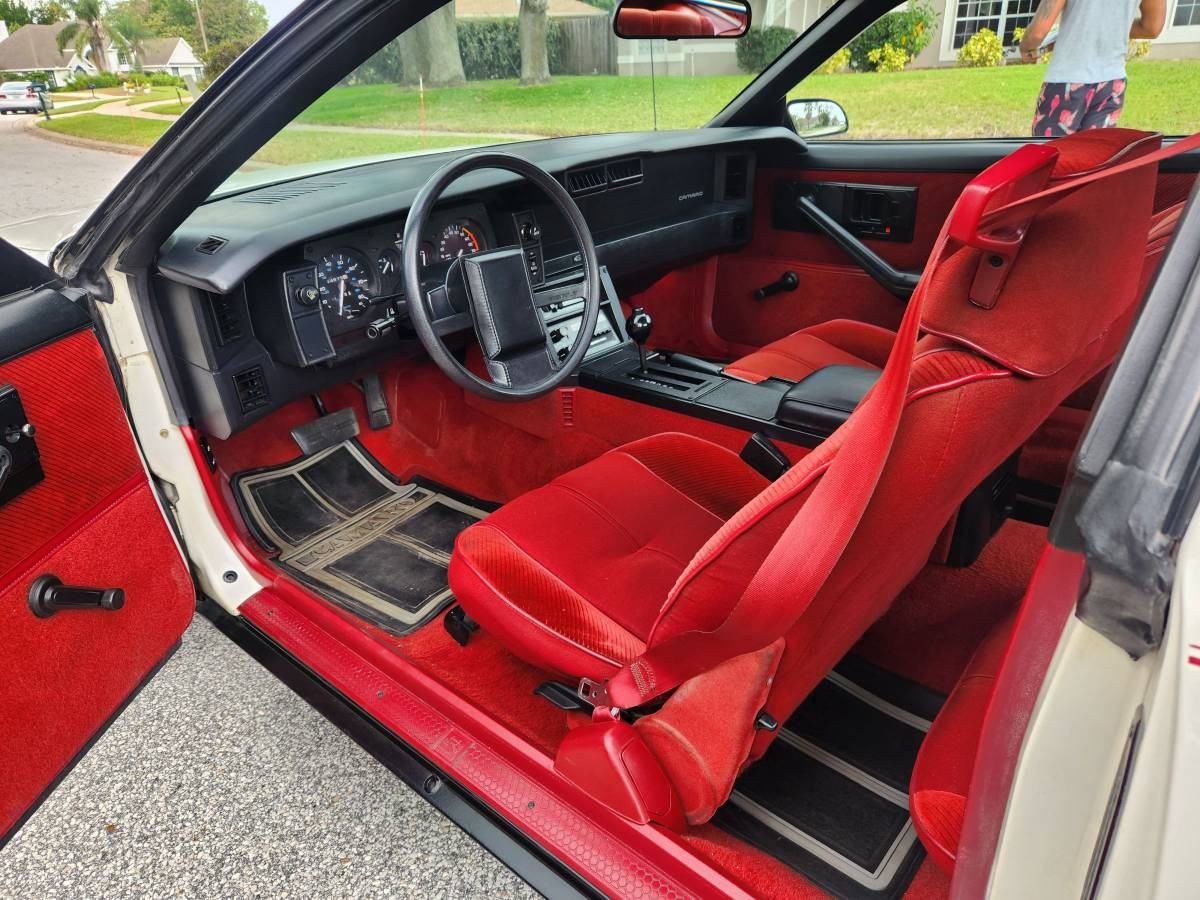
x: 24, y: 96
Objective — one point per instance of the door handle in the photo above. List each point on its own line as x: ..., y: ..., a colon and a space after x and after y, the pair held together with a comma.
x: 48, y: 595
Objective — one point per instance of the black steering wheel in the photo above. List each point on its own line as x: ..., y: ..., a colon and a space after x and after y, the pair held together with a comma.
x: 494, y: 287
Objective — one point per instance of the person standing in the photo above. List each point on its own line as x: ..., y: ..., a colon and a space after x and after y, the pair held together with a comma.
x: 1085, y: 79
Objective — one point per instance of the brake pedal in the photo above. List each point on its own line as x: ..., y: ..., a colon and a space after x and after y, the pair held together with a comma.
x: 325, y: 432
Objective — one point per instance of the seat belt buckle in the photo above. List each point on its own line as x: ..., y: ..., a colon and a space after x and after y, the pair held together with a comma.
x: 596, y: 694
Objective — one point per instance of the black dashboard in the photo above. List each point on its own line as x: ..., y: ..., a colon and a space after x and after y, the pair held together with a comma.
x: 274, y: 293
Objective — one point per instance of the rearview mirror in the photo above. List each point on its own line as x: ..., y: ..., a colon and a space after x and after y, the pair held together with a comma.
x: 675, y: 19
x: 818, y: 118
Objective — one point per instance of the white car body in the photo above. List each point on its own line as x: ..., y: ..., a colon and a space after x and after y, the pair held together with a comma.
x: 21, y: 96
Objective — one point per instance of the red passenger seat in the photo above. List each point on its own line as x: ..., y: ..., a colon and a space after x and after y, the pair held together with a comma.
x: 669, y: 565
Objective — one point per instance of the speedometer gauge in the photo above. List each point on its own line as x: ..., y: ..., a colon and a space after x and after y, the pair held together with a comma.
x: 457, y: 240
x: 344, y: 280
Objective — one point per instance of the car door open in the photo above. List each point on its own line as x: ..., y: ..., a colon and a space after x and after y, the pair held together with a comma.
x: 94, y: 593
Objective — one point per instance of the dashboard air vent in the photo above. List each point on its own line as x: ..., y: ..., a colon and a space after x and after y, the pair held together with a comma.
x: 226, y: 319
x: 211, y: 245
x: 587, y: 181
x: 625, y: 171
x: 282, y: 192
x: 251, y: 387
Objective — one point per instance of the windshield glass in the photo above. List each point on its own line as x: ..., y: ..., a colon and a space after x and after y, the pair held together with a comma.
x: 463, y: 78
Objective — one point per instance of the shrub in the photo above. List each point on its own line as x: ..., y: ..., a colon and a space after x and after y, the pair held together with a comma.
x: 1137, y: 49
x: 100, y: 80
x: 888, y: 58
x: 759, y: 47
x: 38, y: 77
x: 165, y: 79
x: 909, y: 30
x: 835, y: 63
x: 982, y: 49
x: 491, y: 48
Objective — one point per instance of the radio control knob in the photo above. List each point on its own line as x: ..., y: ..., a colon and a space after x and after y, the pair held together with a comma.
x: 307, y: 294
x: 556, y: 335
x: 530, y: 232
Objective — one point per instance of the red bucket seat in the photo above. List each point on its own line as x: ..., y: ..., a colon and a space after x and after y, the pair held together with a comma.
x: 662, y: 563
x: 846, y: 342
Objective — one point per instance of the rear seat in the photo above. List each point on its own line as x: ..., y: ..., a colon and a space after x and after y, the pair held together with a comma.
x: 942, y: 775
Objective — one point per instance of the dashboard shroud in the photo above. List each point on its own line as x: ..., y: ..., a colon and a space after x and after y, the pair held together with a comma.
x: 272, y: 338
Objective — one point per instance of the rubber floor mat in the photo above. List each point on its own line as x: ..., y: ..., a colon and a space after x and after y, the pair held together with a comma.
x: 830, y: 796
x: 345, y: 528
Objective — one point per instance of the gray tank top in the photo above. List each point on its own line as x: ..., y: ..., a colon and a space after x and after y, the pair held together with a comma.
x: 1092, y: 39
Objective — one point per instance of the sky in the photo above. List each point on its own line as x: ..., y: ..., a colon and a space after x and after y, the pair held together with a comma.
x: 277, y: 9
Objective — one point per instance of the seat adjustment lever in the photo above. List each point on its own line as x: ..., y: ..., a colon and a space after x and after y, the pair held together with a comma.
x: 48, y: 595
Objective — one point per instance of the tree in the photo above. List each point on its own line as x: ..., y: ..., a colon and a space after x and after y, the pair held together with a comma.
x: 429, y: 51
x: 532, y: 26
x: 14, y: 14
x: 233, y: 22
x: 85, y: 31
x: 49, y: 12
x: 220, y: 56
x: 128, y: 33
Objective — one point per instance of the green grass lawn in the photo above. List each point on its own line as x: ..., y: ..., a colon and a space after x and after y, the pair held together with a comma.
x: 285, y: 148
x: 170, y: 108
x: 926, y: 103
x: 82, y: 107
x: 156, y: 95
x: 932, y: 103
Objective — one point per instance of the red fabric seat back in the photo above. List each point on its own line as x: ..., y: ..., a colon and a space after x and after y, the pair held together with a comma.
x: 982, y: 382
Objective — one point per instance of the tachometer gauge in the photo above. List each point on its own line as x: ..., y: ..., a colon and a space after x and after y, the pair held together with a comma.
x: 344, y: 280
x: 457, y: 240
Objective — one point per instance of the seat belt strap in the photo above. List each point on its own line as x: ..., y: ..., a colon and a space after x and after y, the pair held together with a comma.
x: 814, y: 541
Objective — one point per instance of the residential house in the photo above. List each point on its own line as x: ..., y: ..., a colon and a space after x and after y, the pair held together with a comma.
x: 34, y: 48
x: 962, y: 18
x: 957, y: 21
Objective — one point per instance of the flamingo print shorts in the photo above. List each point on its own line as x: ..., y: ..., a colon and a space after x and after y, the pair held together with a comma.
x: 1066, y: 107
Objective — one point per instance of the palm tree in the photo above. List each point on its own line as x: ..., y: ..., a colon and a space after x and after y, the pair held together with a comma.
x: 85, y: 31
x: 129, y: 34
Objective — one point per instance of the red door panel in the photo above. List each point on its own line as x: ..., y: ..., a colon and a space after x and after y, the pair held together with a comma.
x: 93, y: 521
x: 831, y: 285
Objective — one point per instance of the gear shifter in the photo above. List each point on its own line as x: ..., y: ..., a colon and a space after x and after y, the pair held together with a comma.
x: 638, y: 326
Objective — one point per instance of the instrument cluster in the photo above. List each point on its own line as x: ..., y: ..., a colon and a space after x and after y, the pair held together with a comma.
x: 360, y: 273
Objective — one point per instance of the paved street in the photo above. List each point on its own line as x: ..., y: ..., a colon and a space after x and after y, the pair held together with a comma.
x: 217, y: 781
x: 49, y: 187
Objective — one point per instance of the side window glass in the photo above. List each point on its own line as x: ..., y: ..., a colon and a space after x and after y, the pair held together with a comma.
x: 1008, y: 69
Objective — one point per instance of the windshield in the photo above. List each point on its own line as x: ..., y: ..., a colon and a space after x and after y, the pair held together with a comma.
x: 462, y: 78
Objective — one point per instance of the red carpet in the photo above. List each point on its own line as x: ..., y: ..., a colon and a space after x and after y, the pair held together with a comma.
x: 937, y: 622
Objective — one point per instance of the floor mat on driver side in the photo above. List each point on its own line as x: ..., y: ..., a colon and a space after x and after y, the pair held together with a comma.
x: 344, y: 527
x: 830, y: 796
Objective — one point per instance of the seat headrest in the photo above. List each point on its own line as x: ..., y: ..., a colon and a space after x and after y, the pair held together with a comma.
x: 1072, y: 269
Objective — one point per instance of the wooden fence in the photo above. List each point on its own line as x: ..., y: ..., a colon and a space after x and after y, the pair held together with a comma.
x: 589, y: 46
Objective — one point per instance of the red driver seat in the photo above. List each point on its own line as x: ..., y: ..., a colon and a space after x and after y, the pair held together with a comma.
x: 668, y: 562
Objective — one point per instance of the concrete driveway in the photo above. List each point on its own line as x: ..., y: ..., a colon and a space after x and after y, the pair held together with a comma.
x: 217, y: 781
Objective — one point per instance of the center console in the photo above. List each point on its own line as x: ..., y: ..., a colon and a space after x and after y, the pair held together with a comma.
x: 803, y: 413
